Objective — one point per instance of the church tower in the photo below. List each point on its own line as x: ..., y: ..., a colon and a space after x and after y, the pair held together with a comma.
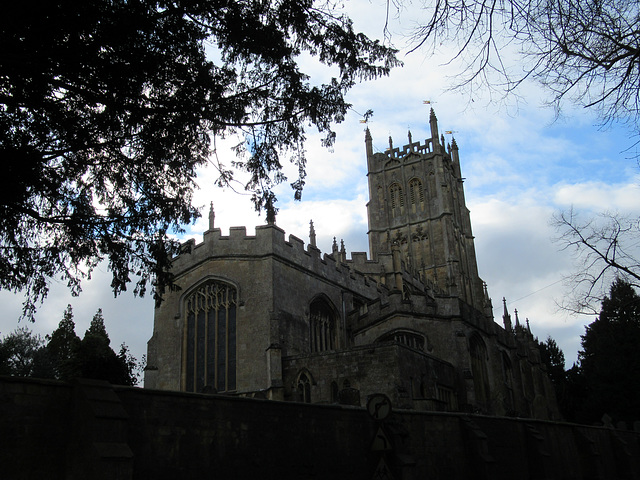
x: 416, y: 201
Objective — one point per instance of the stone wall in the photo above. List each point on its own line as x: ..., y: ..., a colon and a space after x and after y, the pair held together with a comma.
x: 373, y: 369
x: 94, y: 430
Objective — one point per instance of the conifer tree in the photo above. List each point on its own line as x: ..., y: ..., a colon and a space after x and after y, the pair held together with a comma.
x: 96, y: 359
x: 62, y: 347
x: 609, y: 360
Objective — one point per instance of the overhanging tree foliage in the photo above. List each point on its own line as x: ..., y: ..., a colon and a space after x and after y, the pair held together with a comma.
x: 584, y: 50
x: 108, y: 107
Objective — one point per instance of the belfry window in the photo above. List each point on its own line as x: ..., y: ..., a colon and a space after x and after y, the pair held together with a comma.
x: 395, y: 194
x: 416, y: 192
x: 210, y: 338
x: 322, y: 325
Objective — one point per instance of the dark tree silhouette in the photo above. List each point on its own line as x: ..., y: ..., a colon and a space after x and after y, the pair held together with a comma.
x: 553, y: 357
x: 65, y: 356
x: 609, y: 360
x: 96, y: 359
x: 62, y: 347
x: 108, y: 107
x: 20, y: 353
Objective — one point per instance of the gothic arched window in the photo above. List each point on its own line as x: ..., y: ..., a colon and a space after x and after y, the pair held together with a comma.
x: 304, y: 388
x: 507, y: 375
x: 478, y: 352
x: 322, y: 326
x: 210, y: 338
x: 395, y: 194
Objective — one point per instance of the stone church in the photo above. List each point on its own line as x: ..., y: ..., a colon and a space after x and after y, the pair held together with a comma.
x: 263, y: 316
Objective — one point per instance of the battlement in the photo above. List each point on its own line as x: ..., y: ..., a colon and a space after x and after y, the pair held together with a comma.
x: 412, y: 147
x: 269, y: 241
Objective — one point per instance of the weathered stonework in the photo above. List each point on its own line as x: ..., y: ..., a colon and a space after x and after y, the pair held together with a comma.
x: 261, y: 316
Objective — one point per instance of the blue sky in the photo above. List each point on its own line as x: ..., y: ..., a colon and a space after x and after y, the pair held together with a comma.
x: 521, y: 166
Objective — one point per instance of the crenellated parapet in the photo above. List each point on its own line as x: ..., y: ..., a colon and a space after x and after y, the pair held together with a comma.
x: 411, y: 148
x: 269, y: 241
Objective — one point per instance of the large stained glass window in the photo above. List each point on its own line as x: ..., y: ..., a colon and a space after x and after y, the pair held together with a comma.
x: 210, y: 338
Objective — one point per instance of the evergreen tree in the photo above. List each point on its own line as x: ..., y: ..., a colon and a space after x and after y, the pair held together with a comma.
x: 97, y: 328
x: 63, y: 347
x: 609, y: 360
x: 553, y: 357
x: 96, y: 359
x: 65, y: 356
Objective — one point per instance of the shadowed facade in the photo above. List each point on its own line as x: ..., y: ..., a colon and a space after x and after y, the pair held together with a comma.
x: 264, y: 316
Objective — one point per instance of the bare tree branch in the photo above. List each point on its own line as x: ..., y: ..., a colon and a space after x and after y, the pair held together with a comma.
x: 581, y: 51
x: 605, y: 248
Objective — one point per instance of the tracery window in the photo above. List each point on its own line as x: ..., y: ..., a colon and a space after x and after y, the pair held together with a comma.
x: 304, y: 388
x: 322, y: 326
x: 210, y: 338
x: 395, y: 194
x: 416, y: 193
x: 478, y: 352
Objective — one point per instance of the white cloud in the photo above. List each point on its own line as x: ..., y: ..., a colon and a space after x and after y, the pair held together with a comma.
x: 598, y: 196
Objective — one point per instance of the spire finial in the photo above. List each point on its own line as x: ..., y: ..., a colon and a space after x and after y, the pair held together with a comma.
x: 433, y: 123
x: 368, y: 142
x: 212, y: 217
x: 506, y: 318
x: 312, y: 234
